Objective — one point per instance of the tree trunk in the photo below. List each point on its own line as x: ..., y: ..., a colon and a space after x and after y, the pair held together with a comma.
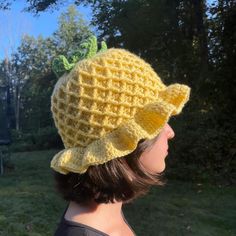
x: 17, y: 105
x: 201, y: 33
x: 199, y: 9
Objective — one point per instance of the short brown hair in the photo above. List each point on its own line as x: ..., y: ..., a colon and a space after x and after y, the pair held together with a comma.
x: 121, y: 179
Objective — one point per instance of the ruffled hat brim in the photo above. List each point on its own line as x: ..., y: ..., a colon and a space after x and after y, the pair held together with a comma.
x: 146, y: 124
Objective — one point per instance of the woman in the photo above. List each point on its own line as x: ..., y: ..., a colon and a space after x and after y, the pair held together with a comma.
x: 111, y: 110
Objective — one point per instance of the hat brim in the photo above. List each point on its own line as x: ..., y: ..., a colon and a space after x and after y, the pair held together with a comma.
x: 146, y: 124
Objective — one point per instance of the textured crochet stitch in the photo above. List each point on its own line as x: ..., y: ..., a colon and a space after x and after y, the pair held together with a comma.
x: 104, y: 104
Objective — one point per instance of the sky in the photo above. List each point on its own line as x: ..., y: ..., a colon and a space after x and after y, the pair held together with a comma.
x: 14, y: 23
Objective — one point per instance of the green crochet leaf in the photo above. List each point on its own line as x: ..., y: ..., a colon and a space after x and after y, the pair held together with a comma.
x: 60, y: 65
x: 88, y: 49
x: 103, y: 47
x: 91, y: 47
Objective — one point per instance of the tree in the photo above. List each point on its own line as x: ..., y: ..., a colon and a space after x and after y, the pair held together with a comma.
x: 72, y: 30
x: 31, y: 62
x: 222, y: 46
x: 33, y: 5
x: 12, y: 78
x: 39, y: 6
x: 32, y: 68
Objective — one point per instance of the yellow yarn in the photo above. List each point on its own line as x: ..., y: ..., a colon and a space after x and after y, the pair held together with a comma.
x: 106, y: 104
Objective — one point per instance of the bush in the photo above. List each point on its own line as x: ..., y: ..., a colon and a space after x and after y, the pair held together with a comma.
x: 45, y: 138
x: 203, y: 153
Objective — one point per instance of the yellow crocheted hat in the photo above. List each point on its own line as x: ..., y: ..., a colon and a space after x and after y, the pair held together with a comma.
x: 105, y: 103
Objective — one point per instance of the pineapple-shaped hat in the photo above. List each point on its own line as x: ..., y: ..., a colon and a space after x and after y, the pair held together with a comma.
x: 106, y: 101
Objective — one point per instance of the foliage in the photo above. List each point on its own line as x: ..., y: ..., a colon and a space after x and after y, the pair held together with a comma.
x: 72, y: 31
x: 205, y: 153
x: 45, y: 138
x: 34, y: 5
x: 31, y: 78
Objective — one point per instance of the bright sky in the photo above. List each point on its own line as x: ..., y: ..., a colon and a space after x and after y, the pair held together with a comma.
x: 14, y: 23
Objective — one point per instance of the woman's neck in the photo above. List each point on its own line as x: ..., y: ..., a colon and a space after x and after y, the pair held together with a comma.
x: 104, y: 210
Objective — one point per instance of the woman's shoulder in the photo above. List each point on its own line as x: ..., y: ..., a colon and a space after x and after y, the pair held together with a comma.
x: 70, y: 228
x: 92, y: 225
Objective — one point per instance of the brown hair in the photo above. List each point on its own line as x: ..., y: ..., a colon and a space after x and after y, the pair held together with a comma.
x: 121, y: 179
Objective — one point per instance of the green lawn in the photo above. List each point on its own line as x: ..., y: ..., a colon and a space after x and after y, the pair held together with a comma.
x: 29, y: 205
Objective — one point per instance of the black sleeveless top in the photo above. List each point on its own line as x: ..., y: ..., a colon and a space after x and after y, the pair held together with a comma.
x: 71, y: 228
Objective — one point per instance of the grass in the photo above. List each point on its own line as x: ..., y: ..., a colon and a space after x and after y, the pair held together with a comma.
x: 30, y: 207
